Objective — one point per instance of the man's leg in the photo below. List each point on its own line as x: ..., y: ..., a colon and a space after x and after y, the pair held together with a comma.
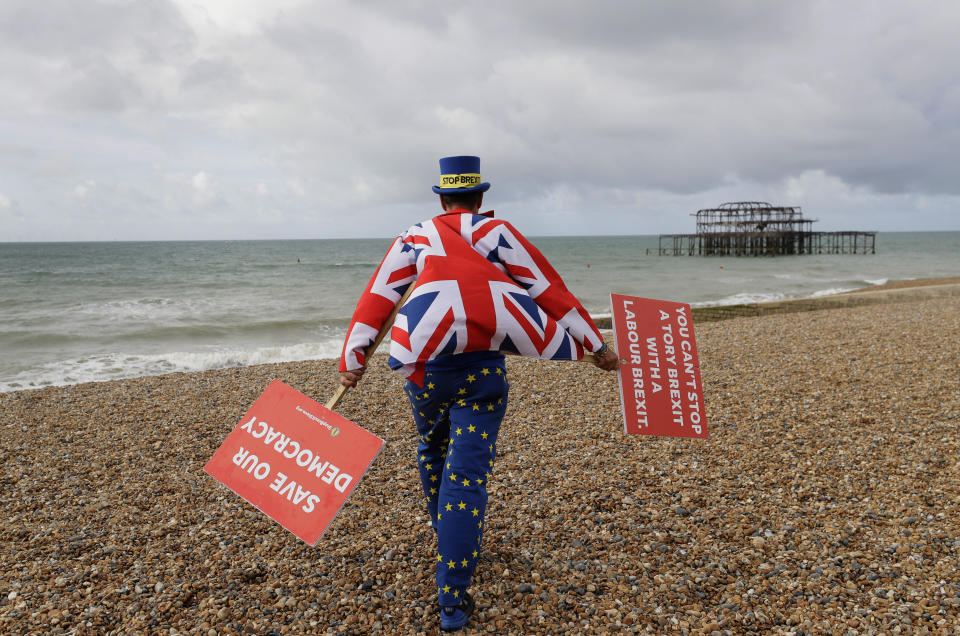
x: 480, y: 401
x: 431, y: 415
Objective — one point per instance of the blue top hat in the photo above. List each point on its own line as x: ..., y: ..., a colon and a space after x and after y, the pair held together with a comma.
x: 459, y: 175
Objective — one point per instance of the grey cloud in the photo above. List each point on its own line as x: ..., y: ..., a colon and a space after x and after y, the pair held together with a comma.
x: 98, y: 85
x: 213, y: 75
x: 101, y: 56
x: 640, y: 26
x: 64, y: 29
x: 614, y: 105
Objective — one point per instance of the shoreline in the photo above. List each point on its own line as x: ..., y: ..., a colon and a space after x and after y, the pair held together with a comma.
x: 895, y: 291
x: 908, y: 283
x: 891, y: 292
x: 827, y: 498
x: 888, y: 293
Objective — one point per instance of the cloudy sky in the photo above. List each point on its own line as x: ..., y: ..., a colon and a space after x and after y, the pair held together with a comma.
x: 233, y: 119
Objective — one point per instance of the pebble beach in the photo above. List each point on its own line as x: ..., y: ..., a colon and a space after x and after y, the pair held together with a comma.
x: 826, y: 500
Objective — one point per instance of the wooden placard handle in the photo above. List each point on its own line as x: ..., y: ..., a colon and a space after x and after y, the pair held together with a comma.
x: 387, y: 326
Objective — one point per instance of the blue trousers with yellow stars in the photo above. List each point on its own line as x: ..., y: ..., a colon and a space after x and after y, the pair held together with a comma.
x: 458, y: 414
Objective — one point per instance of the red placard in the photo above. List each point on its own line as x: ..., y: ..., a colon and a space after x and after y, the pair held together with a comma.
x: 659, y: 372
x: 294, y: 459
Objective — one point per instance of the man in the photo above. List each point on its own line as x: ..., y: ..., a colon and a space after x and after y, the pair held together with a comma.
x: 481, y: 289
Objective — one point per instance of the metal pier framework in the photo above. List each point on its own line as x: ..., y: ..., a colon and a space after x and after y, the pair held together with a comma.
x: 756, y: 228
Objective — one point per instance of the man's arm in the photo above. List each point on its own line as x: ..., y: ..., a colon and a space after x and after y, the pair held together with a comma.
x: 395, y: 274
x: 529, y: 267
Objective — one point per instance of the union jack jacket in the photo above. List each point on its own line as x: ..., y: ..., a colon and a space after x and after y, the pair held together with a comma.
x: 480, y: 286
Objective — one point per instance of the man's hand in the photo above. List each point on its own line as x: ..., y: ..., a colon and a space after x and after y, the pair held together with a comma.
x: 349, y: 379
x: 608, y: 360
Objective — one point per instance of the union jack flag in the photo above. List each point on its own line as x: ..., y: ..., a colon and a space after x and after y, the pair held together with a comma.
x: 481, y: 286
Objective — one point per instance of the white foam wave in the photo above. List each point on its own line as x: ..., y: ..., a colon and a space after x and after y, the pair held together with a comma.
x: 117, y: 366
x: 743, y: 298
x: 141, y: 309
x: 877, y: 281
x: 831, y: 291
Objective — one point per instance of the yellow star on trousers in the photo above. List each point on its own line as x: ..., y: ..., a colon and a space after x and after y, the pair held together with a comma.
x: 462, y: 392
x: 453, y: 476
x: 461, y: 506
x: 439, y: 558
x: 489, y: 407
x: 499, y: 371
x: 456, y: 593
x: 428, y: 466
x: 464, y: 563
x: 472, y: 428
x: 459, y: 431
x: 430, y: 385
x: 451, y: 564
x: 433, y: 478
x: 449, y: 507
x: 476, y: 512
x: 466, y: 482
x: 474, y: 554
x: 484, y: 435
x: 476, y: 407
x: 471, y: 378
x: 446, y: 589
x: 485, y: 371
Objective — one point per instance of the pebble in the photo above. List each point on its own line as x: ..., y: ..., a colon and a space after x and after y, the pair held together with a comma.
x: 828, y: 430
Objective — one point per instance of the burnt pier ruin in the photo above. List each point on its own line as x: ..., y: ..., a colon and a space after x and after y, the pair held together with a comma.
x: 756, y: 228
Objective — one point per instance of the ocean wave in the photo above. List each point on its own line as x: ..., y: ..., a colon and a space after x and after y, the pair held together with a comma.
x: 365, y: 266
x: 831, y: 291
x: 155, y: 317
x: 117, y: 366
x: 242, y: 332
x: 152, y: 309
x: 743, y: 298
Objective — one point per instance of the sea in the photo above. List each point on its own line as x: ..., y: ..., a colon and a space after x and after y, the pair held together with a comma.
x: 81, y: 312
